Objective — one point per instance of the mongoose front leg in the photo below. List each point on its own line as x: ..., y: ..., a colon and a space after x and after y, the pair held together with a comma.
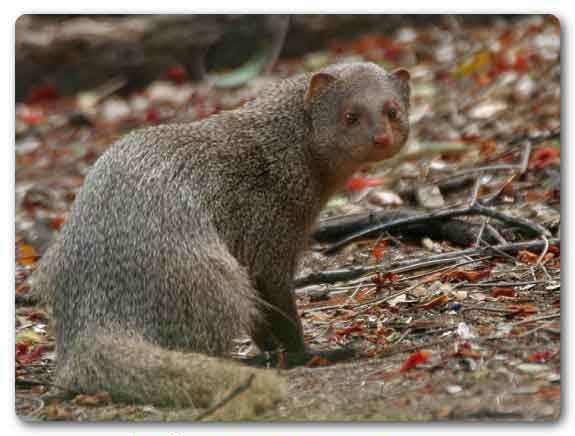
x: 280, y: 326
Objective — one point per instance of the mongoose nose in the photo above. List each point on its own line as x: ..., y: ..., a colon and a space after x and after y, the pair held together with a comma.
x: 382, y: 139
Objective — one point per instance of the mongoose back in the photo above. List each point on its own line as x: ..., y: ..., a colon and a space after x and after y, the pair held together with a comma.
x: 186, y: 235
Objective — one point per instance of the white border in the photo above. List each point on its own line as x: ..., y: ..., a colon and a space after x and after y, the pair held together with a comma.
x: 11, y: 423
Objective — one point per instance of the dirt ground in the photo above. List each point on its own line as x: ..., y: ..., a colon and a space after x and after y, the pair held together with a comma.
x: 475, y: 336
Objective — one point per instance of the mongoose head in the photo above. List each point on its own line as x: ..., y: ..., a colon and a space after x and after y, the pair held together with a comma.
x: 358, y: 111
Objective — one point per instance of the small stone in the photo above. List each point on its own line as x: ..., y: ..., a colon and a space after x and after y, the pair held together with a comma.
x: 464, y: 331
x: 487, y: 109
x: 532, y: 367
x: 384, y: 198
x: 114, y: 110
x: 372, y: 322
x: 453, y: 389
x: 166, y: 92
x: 429, y: 197
x: 524, y: 88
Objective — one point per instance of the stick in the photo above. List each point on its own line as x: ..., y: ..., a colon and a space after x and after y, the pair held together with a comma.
x: 341, y: 275
x: 241, y: 388
x: 538, y: 318
x: 475, y: 209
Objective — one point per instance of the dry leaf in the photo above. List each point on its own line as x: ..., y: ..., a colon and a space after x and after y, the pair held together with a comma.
x: 414, y: 359
x: 442, y: 299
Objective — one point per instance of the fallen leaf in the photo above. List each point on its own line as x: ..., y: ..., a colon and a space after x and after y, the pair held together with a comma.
x: 359, y: 183
x: 550, y: 391
x: 475, y: 63
x: 540, y: 356
x: 442, y: 299
x: 527, y: 257
x: 487, y: 147
x: 544, y: 156
x: 177, y: 73
x: 28, y: 336
x: 57, y: 222
x: 356, y: 327
x: 98, y: 399
x: 470, y: 276
x: 502, y: 292
x: 42, y: 93
x: 26, y: 255
x: 26, y: 353
x: 521, y: 309
x: 30, y: 114
x: 378, y: 249
x: 414, y: 359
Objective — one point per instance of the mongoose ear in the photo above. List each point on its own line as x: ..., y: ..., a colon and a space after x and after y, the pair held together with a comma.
x: 403, y: 77
x: 317, y: 84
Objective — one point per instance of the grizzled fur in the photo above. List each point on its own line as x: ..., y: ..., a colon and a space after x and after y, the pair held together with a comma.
x: 184, y: 236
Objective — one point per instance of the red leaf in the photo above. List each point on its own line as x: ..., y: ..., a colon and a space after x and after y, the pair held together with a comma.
x: 487, y: 147
x: 544, y: 156
x: 527, y: 257
x: 177, y: 73
x: 57, y: 222
x: 520, y: 63
x: 540, y: 356
x: 470, y: 276
x: 30, y: 114
x: 347, y: 330
x: 98, y: 399
x: 42, y: 93
x: 414, y: 359
x: 152, y: 116
x: 318, y: 361
x: 502, y: 292
x: 390, y: 277
x: 359, y: 183
x: 442, y: 299
x: 550, y: 391
x: 521, y: 309
x: 26, y: 355
x: 379, y: 249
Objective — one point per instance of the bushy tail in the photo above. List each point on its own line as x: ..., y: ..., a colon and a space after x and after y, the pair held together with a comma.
x: 133, y: 370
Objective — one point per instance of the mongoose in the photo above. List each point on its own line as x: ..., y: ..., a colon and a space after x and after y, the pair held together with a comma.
x: 185, y: 235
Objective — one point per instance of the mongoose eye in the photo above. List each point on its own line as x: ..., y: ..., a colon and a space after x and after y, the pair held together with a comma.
x: 392, y: 114
x: 351, y: 118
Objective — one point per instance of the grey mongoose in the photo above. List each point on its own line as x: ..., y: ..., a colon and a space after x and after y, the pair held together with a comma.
x: 183, y: 236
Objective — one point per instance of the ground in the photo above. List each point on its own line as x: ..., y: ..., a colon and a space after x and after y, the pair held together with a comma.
x: 472, y: 337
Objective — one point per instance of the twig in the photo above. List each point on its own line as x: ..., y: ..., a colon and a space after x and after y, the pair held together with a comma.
x: 417, y: 347
x: 544, y: 252
x: 520, y: 168
x: 484, y: 309
x: 411, y: 264
x: 525, y: 157
x: 475, y: 209
x: 403, y: 335
x: 241, y: 388
x: 537, y: 318
x: 495, y: 234
x: 394, y: 295
x: 503, y: 284
x: 480, y: 233
x: 475, y: 191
